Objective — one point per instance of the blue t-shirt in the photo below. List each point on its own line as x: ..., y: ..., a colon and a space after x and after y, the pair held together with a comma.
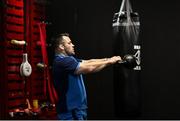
x: 70, y: 87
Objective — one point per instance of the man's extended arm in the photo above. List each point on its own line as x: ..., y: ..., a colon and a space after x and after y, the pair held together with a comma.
x: 95, y: 65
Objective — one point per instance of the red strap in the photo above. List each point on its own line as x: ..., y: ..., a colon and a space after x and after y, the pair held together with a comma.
x: 51, y: 90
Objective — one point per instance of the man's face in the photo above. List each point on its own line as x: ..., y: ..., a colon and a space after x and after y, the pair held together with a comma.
x: 68, y: 46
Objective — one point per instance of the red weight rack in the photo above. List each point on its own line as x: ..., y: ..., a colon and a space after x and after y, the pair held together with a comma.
x: 19, y: 20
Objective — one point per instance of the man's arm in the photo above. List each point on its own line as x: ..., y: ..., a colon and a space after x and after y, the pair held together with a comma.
x: 95, y: 65
x: 94, y: 60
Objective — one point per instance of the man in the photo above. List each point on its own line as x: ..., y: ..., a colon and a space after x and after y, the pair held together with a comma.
x: 68, y: 80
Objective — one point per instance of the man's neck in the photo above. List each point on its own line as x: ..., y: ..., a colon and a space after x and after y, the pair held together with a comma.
x: 61, y: 53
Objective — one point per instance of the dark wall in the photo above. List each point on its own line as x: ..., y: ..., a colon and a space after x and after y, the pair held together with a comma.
x: 160, y: 75
x: 89, y: 23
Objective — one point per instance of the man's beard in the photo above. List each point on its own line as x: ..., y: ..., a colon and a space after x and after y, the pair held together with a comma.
x: 71, y: 54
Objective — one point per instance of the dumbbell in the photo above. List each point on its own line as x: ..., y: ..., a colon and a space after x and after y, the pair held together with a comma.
x: 129, y: 61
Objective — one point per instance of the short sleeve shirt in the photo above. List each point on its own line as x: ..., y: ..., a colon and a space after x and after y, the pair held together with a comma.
x: 70, y: 87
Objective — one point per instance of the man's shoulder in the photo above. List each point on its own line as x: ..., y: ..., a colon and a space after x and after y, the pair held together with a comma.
x: 65, y: 59
x: 60, y: 58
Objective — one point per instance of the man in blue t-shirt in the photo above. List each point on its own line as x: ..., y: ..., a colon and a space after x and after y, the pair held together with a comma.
x: 68, y: 80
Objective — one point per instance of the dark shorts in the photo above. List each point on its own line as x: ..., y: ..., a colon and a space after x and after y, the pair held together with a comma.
x: 76, y: 114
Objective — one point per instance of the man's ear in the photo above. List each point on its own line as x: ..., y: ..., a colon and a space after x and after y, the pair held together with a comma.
x: 61, y: 47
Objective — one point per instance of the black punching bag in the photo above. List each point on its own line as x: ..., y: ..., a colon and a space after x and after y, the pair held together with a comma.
x: 126, y: 28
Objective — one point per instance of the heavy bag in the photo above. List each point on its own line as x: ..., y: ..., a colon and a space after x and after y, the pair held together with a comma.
x: 126, y: 27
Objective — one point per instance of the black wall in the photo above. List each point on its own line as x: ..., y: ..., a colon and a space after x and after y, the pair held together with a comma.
x: 89, y: 23
x: 160, y: 75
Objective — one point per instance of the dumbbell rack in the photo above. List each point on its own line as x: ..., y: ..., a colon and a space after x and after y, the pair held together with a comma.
x: 18, y: 20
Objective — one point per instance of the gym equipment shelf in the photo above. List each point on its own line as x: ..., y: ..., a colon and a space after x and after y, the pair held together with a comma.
x: 19, y: 21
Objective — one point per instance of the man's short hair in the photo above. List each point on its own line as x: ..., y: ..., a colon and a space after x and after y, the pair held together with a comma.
x: 58, y: 39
